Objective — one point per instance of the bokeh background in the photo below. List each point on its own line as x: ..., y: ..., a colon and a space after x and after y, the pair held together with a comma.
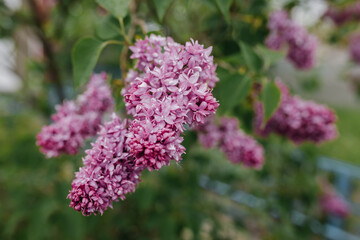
x: 205, y: 196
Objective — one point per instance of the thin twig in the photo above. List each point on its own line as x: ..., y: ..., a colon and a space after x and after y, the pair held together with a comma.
x: 48, y: 50
x: 122, y: 26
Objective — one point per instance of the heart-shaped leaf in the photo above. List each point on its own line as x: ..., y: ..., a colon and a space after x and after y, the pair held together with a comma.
x: 270, y: 56
x: 270, y: 98
x: 252, y: 59
x: 231, y: 90
x: 224, y: 7
x: 161, y: 6
x: 107, y: 29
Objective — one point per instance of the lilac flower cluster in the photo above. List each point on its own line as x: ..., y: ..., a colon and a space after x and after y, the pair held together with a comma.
x: 334, y: 204
x: 76, y: 120
x: 157, y: 51
x: 341, y: 16
x: 169, y: 87
x: 236, y: 145
x: 109, y: 171
x: 301, y: 45
x: 297, y: 119
x: 355, y: 48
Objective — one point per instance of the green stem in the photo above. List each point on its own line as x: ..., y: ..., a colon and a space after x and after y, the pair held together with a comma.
x: 121, y: 66
x: 113, y: 42
x: 127, y: 40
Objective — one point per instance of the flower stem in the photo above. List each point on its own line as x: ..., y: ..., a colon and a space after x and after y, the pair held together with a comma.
x: 122, y: 26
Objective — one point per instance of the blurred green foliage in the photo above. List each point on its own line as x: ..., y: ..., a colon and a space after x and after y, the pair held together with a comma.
x: 34, y: 190
x: 166, y: 205
x: 345, y: 147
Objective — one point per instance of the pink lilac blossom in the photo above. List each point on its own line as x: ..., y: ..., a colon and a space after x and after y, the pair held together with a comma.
x: 76, y: 120
x: 157, y: 51
x: 149, y: 51
x: 341, y: 16
x: 67, y: 135
x: 64, y: 110
x: 209, y: 133
x: 334, y: 204
x: 97, y: 96
x: 109, y: 171
x: 236, y: 145
x: 355, y: 48
x: 297, y: 119
x: 301, y: 45
x: 171, y: 88
x: 154, y: 145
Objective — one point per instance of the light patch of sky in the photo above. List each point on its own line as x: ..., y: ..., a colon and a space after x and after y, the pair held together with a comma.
x: 13, y: 4
x: 9, y: 81
x: 307, y: 13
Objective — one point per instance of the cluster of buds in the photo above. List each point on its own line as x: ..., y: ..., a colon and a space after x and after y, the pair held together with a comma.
x: 301, y: 45
x: 170, y: 87
x: 77, y: 120
x: 297, y: 119
x: 236, y: 145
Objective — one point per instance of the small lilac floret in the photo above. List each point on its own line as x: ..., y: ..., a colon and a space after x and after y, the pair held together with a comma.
x: 76, y: 120
x: 297, y: 119
x: 340, y: 16
x: 236, y: 145
x: 301, y: 45
x: 109, y: 171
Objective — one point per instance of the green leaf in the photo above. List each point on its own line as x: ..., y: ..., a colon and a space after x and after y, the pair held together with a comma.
x: 252, y: 59
x: 231, y: 90
x: 107, y: 29
x: 224, y: 6
x: 270, y: 56
x: 270, y: 98
x: 118, y: 8
x: 84, y: 57
x: 161, y: 6
x: 243, y: 89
